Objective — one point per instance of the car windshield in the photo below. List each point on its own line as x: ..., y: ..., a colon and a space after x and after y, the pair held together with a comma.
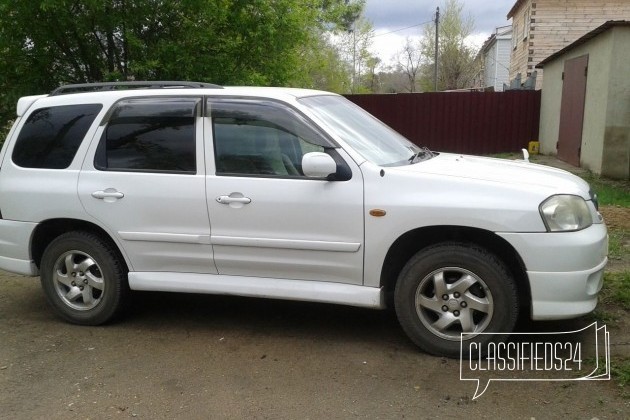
x: 374, y: 140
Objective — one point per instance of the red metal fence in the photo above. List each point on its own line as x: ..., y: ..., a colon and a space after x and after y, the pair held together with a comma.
x: 460, y: 122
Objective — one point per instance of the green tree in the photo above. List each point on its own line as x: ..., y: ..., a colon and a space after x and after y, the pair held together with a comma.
x: 371, y: 78
x: 323, y: 68
x: 353, y: 45
x: 456, y: 59
x: 46, y: 43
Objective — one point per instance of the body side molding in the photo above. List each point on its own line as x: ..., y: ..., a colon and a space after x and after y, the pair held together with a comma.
x: 300, y: 290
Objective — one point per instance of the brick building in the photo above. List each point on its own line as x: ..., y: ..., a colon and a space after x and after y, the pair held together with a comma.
x: 542, y: 27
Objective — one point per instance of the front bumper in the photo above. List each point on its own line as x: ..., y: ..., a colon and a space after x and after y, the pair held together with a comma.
x: 565, y: 270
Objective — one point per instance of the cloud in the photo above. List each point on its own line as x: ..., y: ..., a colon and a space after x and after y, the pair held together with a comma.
x: 391, y: 15
x: 396, y: 14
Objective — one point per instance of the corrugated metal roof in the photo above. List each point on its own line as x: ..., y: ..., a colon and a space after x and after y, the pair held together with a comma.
x: 603, y: 28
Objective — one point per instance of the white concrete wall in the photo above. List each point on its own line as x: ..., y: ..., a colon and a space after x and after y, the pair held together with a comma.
x: 599, y: 50
x: 550, y: 107
x: 616, y: 151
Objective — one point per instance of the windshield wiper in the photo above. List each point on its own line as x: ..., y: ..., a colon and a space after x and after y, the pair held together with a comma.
x: 423, y: 154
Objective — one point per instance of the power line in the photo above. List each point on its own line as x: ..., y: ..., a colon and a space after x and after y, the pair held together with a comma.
x: 402, y: 29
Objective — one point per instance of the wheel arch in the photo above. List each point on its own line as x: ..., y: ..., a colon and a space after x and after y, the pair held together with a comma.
x: 413, y: 241
x: 48, y: 230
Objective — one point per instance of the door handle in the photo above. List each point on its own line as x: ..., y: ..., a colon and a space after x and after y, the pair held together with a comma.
x: 110, y: 194
x: 226, y: 199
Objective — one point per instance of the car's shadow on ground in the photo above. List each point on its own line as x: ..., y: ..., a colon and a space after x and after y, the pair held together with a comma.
x: 172, y: 313
x: 194, y: 312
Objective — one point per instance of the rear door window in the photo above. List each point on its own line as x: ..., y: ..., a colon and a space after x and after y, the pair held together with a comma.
x: 150, y: 135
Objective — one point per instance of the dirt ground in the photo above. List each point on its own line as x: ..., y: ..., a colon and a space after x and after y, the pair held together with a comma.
x: 618, y: 218
x: 192, y: 356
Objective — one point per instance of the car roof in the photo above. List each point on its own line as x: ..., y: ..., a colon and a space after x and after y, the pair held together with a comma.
x: 284, y: 94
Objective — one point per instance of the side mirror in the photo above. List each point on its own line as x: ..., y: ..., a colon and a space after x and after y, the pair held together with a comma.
x: 318, y: 165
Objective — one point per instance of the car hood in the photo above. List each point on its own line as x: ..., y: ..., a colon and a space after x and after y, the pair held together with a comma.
x: 503, y: 171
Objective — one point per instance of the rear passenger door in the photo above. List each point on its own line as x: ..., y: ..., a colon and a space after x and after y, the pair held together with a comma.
x: 144, y: 181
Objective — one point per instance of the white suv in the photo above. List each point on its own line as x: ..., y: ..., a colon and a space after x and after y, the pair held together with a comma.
x: 289, y: 194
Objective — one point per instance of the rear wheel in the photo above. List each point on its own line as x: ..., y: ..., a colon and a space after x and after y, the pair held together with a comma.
x: 84, y: 278
x: 453, y: 288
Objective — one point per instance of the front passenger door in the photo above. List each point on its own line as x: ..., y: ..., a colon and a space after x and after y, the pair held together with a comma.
x: 269, y: 220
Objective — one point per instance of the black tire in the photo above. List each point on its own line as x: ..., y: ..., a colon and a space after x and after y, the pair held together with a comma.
x: 450, y: 288
x: 84, y: 278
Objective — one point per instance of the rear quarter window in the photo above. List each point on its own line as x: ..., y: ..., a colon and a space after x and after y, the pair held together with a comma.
x: 51, y: 136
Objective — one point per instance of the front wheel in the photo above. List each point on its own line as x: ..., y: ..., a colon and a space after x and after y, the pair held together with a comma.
x: 84, y: 278
x: 453, y: 288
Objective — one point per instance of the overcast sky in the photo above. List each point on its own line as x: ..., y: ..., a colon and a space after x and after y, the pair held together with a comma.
x: 390, y: 15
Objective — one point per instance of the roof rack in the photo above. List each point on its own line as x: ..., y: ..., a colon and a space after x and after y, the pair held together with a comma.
x: 109, y: 86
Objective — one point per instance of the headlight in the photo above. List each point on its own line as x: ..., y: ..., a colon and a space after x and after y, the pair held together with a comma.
x: 565, y: 213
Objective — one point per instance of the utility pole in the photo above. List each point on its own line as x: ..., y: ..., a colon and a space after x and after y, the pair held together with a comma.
x: 354, y: 56
x: 437, y: 24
